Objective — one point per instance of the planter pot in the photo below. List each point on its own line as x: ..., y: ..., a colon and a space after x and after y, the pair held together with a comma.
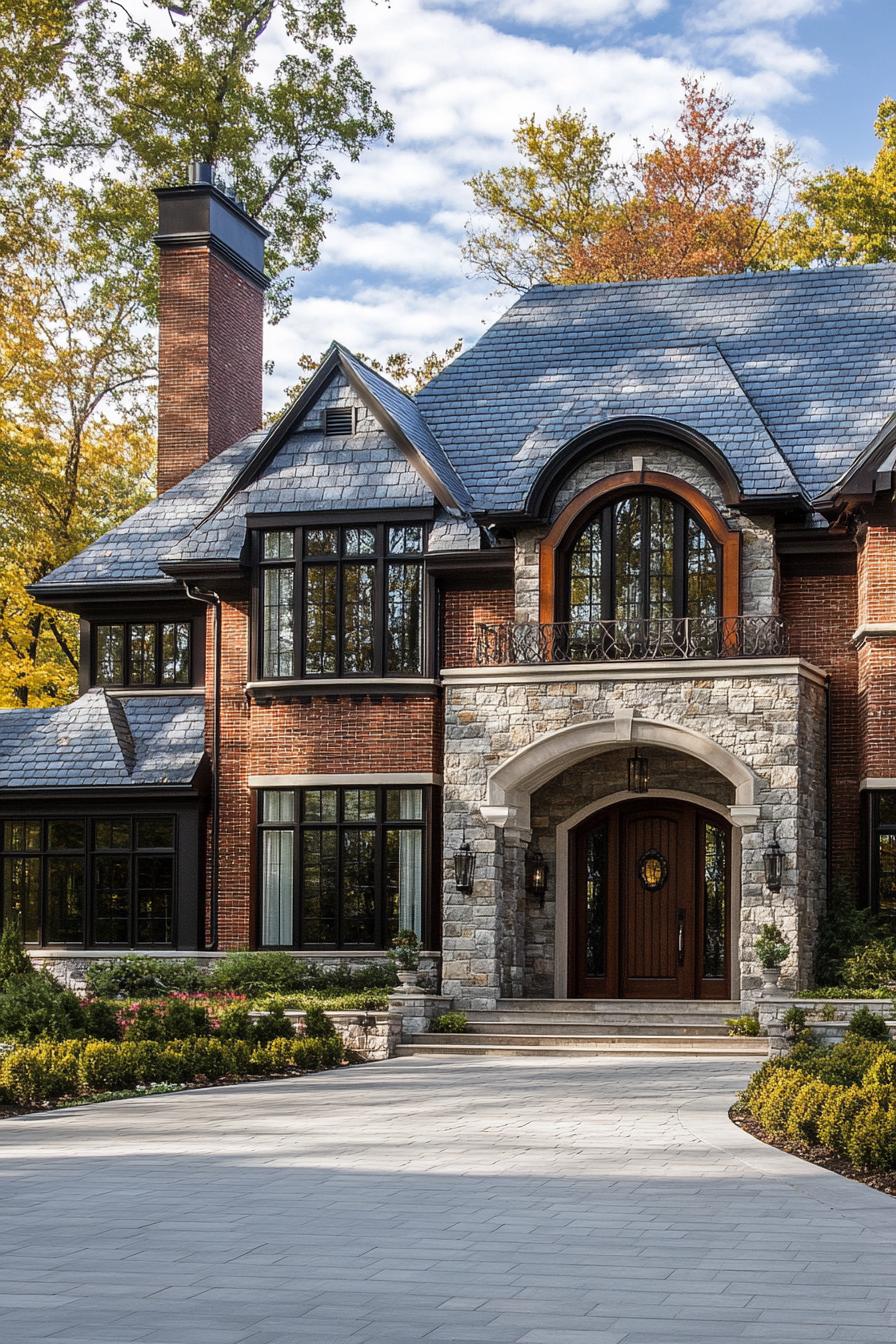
x: 771, y: 976
x: 408, y: 981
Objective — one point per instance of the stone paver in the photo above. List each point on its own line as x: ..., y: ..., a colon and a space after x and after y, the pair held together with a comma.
x: 599, y: 1201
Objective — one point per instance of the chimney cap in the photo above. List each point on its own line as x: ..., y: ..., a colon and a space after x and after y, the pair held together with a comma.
x: 201, y: 173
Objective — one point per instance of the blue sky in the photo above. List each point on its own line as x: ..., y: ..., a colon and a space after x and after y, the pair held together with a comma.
x: 459, y: 74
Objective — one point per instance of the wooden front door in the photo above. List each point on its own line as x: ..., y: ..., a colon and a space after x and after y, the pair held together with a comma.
x: 651, y: 903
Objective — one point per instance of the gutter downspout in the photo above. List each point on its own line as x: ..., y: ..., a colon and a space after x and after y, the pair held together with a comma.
x: 213, y: 600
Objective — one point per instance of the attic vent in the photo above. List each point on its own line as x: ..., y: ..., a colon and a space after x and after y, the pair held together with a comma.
x: 339, y: 420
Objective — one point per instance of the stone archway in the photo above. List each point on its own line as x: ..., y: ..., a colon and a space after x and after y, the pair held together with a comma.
x: 510, y: 785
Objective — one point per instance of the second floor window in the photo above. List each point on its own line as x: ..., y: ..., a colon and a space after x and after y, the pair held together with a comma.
x: 142, y: 653
x: 342, y: 601
x: 643, y: 558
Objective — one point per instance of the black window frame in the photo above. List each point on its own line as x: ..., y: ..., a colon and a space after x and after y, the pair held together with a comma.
x: 88, y: 853
x: 300, y: 824
x: 127, y: 682
x: 876, y: 829
x: 605, y: 516
x: 382, y: 557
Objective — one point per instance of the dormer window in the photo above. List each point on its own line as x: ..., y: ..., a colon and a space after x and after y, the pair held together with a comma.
x: 142, y: 654
x: 341, y: 601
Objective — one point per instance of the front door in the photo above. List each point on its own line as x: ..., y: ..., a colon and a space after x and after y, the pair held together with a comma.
x: 651, y: 904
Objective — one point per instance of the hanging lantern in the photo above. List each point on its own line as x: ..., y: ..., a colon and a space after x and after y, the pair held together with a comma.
x: 638, y: 773
x: 773, y: 859
x: 538, y: 875
x: 464, y: 867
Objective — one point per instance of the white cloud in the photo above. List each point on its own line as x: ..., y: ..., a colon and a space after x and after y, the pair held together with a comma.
x: 399, y: 248
x: 739, y: 14
x: 577, y: 14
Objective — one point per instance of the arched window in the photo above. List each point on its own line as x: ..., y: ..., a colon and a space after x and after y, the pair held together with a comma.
x: 644, y: 557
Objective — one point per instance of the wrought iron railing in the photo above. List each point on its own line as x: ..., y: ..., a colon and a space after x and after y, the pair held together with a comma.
x: 527, y: 642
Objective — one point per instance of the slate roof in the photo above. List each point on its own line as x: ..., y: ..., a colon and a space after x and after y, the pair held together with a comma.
x: 814, y: 353
x: 101, y: 741
x: 130, y: 552
x: 791, y: 375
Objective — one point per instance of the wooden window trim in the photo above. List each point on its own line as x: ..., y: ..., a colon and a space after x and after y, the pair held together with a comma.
x: 553, y: 547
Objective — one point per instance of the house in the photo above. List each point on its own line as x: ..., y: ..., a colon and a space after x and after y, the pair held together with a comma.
x: 581, y: 663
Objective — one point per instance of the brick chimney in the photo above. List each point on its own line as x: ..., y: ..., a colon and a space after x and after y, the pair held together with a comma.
x: 211, y: 308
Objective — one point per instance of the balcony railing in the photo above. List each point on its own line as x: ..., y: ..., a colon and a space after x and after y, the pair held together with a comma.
x: 512, y: 644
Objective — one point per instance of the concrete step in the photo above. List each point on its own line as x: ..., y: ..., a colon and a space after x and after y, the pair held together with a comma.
x: 450, y: 1047
x: 627, y: 1008
x: 507, y: 1025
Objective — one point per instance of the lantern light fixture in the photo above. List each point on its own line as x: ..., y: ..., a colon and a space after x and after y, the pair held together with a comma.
x: 638, y: 773
x: 464, y: 867
x: 773, y: 860
x: 538, y: 875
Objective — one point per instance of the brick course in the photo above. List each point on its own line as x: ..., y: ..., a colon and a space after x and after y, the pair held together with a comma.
x: 462, y: 610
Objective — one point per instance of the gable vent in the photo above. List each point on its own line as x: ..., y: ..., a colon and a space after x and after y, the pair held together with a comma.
x: 339, y: 420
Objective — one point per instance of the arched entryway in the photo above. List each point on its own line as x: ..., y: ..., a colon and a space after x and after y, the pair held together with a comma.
x: 650, y: 902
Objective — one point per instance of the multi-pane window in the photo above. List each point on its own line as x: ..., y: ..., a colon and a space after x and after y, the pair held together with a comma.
x: 643, y: 558
x: 883, y: 852
x: 101, y: 882
x: 340, y: 867
x: 341, y: 601
x: 142, y: 653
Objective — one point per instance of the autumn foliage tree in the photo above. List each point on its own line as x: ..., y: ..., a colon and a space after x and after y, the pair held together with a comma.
x: 700, y: 199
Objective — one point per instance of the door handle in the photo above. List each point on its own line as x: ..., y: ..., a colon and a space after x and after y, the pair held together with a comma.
x: 681, y: 915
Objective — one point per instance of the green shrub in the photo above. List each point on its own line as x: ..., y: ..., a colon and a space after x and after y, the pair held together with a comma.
x: 838, y: 992
x: 772, y: 1102
x: 332, y: 1000
x: 273, y: 1026
x: 806, y: 1109
x: 181, y: 1019
x: 145, y: 1024
x: 14, y: 960
x: 871, y: 1140
x: 881, y: 1072
x: 101, y: 1020
x: 109, y: 1066
x: 318, y: 1024
x: 868, y: 1026
x: 844, y: 929
x: 844, y: 1064
x: 837, y: 1115
x: 36, y: 1007
x: 451, y: 1022
x: 795, y: 1019
x: 38, y: 1073
x: 234, y: 1023
x: 259, y: 973
x: 872, y: 964
x: 771, y: 946
x: 129, y: 977
x: 745, y: 1025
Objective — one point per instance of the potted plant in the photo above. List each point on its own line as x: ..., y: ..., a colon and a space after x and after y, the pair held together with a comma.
x: 405, y: 954
x: 771, y: 949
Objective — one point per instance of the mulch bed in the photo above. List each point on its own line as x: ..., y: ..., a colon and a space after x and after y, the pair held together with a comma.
x: 821, y: 1157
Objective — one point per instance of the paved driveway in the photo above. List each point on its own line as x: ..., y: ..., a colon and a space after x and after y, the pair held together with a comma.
x: 550, y: 1202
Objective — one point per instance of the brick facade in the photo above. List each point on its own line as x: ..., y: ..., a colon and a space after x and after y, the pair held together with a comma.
x: 462, y: 610
x: 818, y: 601
x: 877, y: 645
x: 210, y: 359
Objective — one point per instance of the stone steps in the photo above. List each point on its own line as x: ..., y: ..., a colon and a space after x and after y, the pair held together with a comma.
x: 568, y: 1026
x: 448, y: 1046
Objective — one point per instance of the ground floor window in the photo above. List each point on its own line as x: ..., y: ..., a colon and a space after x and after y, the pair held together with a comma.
x: 87, y: 881
x: 883, y: 852
x: 341, y: 867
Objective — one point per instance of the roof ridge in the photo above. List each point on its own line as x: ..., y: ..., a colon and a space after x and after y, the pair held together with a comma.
x: 732, y: 277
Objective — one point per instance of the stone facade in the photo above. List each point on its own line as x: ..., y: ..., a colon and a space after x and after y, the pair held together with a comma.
x: 768, y: 722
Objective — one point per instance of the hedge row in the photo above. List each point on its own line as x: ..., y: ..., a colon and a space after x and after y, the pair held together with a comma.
x: 843, y: 1099
x: 52, y: 1069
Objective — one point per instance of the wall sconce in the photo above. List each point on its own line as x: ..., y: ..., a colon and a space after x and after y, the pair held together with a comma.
x: 538, y: 875
x: 773, y: 859
x: 638, y: 773
x: 464, y: 867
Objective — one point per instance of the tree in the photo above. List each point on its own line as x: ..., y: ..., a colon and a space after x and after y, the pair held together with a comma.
x: 559, y: 195
x: 697, y: 200
x: 848, y: 216
x: 101, y: 101
x: 700, y: 201
x: 398, y: 367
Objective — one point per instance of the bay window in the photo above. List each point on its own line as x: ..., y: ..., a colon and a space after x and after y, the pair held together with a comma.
x: 341, y: 601
x: 341, y: 867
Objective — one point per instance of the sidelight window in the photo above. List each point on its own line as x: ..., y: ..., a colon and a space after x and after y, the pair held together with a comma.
x: 883, y: 852
x: 341, y: 867
x: 341, y: 601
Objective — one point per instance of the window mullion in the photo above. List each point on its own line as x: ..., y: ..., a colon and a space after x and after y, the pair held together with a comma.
x: 679, y: 562
x: 380, y: 600
x: 607, y: 526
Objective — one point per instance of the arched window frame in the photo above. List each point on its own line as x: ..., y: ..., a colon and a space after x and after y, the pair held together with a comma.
x: 555, y: 547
